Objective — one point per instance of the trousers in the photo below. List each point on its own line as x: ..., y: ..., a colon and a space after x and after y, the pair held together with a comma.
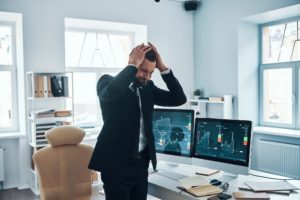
x: 133, y: 185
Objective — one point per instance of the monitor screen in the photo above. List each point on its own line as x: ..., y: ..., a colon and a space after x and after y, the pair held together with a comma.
x: 173, y: 131
x: 223, y: 140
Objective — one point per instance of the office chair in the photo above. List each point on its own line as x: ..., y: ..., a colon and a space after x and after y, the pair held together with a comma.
x: 63, y: 166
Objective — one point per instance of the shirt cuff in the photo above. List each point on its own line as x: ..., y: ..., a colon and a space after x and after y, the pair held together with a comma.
x: 133, y: 65
x: 166, y: 71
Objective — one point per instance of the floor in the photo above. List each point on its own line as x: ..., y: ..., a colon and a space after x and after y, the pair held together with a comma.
x: 27, y: 194
x: 15, y: 194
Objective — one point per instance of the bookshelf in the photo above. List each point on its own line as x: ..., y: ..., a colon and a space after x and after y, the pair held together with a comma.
x: 200, y: 106
x: 49, y: 104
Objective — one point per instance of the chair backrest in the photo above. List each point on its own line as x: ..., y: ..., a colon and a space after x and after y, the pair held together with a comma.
x: 63, y: 166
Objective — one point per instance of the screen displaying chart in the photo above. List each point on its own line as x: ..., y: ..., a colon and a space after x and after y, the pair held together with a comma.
x: 173, y: 130
x: 223, y: 140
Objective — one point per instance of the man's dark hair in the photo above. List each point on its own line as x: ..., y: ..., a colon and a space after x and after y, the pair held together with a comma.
x: 151, y: 56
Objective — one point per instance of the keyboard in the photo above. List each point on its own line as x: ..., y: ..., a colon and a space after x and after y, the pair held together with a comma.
x: 172, y: 175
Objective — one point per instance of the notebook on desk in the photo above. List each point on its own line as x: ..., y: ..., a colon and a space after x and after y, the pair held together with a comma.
x: 194, y: 181
x: 264, y: 186
x: 202, y: 190
x: 205, y: 171
x: 247, y: 188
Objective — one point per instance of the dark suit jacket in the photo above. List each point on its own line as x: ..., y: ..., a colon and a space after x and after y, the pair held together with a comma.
x: 119, y: 138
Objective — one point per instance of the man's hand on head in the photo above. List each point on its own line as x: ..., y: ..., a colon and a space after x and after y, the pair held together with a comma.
x: 137, y: 55
x: 159, y: 63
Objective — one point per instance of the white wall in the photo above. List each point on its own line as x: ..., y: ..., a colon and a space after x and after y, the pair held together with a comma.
x: 216, y: 26
x: 170, y: 28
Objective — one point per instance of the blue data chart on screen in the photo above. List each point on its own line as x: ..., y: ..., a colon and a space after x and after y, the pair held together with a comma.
x: 223, y: 140
x: 173, y: 130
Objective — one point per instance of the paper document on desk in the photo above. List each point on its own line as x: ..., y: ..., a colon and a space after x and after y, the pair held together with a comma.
x: 263, y: 186
x: 194, y: 181
x: 205, y: 171
x: 246, y: 187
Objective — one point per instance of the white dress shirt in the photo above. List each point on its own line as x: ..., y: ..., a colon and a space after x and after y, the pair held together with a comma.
x: 142, y: 138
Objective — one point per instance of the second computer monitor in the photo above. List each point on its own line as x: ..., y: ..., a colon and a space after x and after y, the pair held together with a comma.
x: 223, y: 144
x: 173, y: 131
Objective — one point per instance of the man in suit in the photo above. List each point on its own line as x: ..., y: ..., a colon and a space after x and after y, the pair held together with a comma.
x: 126, y: 144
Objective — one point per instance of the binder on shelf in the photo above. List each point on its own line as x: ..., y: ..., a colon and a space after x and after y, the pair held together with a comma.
x: 49, y: 86
x: 55, y: 87
x: 65, y: 86
x: 40, y: 86
x: 45, y: 86
x: 36, y: 86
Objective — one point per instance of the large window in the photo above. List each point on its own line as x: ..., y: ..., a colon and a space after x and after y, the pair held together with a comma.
x: 8, y: 97
x: 91, y: 51
x: 280, y: 74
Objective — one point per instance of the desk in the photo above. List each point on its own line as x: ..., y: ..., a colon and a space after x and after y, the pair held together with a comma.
x: 165, y: 188
x: 97, y: 193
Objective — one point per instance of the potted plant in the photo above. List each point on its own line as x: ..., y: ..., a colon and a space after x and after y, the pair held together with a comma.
x: 197, y: 93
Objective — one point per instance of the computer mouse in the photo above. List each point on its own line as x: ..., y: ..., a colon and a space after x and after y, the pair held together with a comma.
x: 213, y: 180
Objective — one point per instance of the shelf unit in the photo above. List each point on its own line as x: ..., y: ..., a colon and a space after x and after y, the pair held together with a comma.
x: 200, y: 106
x: 49, y: 104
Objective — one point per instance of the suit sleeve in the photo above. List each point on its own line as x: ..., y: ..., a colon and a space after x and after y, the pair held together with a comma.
x: 174, y: 97
x: 113, y: 88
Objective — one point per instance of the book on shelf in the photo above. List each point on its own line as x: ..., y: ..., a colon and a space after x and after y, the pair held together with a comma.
x: 64, y: 86
x: 56, y: 87
x: 63, y: 113
x: 216, y: 99
x: 42, y: 113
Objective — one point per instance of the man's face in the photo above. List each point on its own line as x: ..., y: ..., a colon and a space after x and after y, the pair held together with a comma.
x: 145, y: 71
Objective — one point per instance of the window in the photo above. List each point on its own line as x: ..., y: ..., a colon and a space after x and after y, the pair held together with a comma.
x: 8, y: 97
x: 281, y: 42
x: 94, y: 48
x: 279, y: 66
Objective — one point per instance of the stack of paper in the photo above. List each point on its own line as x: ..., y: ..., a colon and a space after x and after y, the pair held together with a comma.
x: 276, y: 186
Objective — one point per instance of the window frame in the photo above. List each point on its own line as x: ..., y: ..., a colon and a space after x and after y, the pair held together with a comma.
x: 98, y: 72
x: 261, y: 86
x: 13, y: 70
x: 137, y: 33
x: 294, y: 65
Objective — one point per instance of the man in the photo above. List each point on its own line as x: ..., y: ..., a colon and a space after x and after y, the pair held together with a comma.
x: 126, y: 143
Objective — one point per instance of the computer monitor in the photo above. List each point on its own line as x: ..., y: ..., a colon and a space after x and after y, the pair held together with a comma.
x: 173, y: 132
x: 222, y: 144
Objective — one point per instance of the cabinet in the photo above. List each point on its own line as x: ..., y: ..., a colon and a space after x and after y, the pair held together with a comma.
x: 49, y: 104
x: 200, y: 106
